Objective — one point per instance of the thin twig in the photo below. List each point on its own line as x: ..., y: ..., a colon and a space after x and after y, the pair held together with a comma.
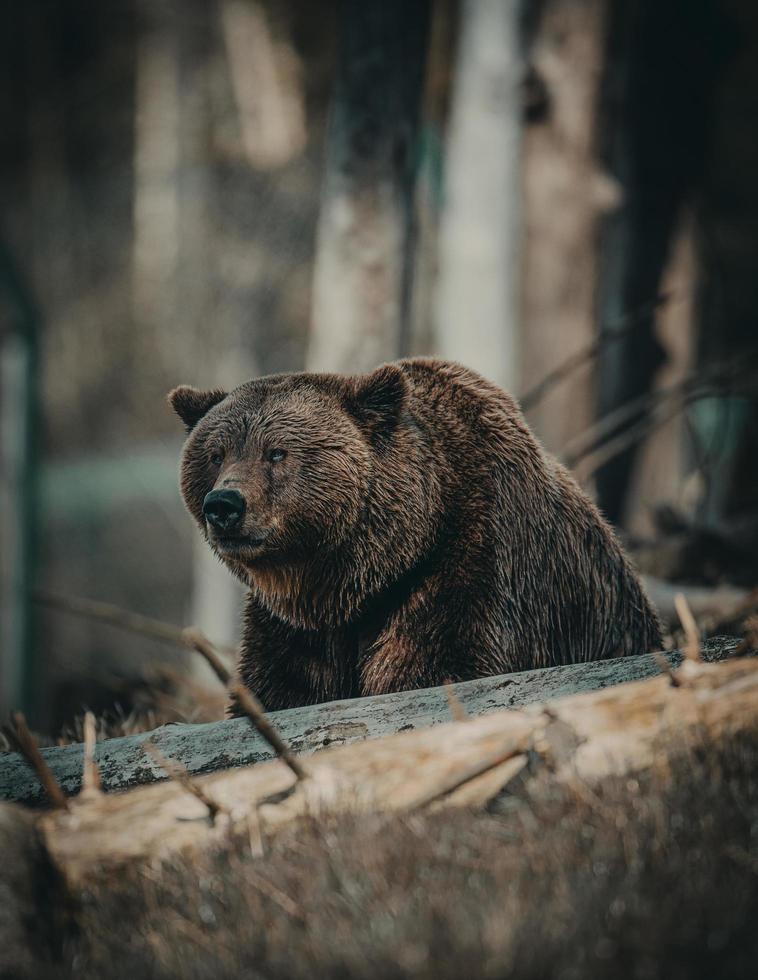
x: 91, y: 784
x: 691, y: 631
x: 23, y: 741
x: 629, y: 437
x: 106, y: 612
x: 590, y: 438
x: 589, y: 796
x: 282, y: 899
x: 698, y: 384
x: 252, y: 707
x: 666, y: 668
x: 193, y: 638
x: 606, y: 337
x: 176, y: 771
x: 457, y: 710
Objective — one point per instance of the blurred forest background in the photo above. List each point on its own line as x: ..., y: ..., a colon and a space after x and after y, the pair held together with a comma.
x: 559, y: 193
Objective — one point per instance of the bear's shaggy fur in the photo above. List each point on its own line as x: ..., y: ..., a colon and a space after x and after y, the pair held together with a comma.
x: 403, y: 528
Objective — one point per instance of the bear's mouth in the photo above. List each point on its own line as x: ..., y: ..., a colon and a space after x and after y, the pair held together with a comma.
x: 239, y: 545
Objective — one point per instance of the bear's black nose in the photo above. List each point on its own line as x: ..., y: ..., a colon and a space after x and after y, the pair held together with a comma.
x: 223, y: 509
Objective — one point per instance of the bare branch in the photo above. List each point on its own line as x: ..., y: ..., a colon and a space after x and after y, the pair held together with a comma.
x: 257, y: 716
x: 606, y: 337
x: 175, y: 770
x: 282, y: 899
x: 249, y: 704
x: 663, y: 404
x: 659, y: 416
x: 692, y: 633
x: 23, y: 741
x: 456, y: 708
x: 743, y: 606
x: 195, y: 640
x: 91, y: 786
x: 106, y: 612
x: 667, y: 669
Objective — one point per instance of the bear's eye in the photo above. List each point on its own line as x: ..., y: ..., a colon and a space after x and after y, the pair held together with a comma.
x: 276, y: 455
x: 217, y: 457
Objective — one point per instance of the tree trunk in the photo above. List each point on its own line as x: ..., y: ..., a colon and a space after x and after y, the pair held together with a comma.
x: 477, y: 292
x: 726, y: 427
x: 565, y: 194
x: 363, y: 263
x: 658, y: 119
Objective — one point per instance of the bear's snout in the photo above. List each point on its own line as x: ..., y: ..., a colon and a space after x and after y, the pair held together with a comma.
x: 224, y: 509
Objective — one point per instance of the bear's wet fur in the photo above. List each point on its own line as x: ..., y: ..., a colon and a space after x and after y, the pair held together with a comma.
x: 402, y: 528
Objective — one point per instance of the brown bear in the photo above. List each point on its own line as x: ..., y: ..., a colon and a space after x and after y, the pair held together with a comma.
x: 399, y: 529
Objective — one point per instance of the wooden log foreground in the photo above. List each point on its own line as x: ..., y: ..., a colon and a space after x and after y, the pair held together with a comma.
x: 225, y: 744
x: 576, y: 741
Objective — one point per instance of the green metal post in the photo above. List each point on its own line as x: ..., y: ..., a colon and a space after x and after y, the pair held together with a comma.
x: 19, y: 681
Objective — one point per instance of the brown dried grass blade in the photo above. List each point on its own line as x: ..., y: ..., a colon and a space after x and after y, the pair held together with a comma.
x: 252, y: 707
x: 193, y: 638
x: 175, y: 770
x: 691, y: 631
x: 91, y: 785
x: 23, y: 741
x: 456, y: 707
x: 666, y: 668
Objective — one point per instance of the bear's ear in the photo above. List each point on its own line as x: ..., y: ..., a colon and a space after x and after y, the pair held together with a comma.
x: 377, y: 399
x: 191, y: 404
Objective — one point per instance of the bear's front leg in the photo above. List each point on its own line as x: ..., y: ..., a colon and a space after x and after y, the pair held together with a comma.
x: 440, y: 634
x: 288, y: 667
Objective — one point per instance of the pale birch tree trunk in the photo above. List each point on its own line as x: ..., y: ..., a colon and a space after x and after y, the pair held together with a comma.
x: 156, y: 193
x: 363, y: 260
x: 173, y: 260
x: 477, y: 318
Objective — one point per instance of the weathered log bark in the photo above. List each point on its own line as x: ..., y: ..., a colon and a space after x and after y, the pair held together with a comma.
x: 225, y: 744
x: 577, y: 741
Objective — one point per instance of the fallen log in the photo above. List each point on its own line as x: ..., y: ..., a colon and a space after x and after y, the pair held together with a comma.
x: 579, y: 740
x: 206, y: 748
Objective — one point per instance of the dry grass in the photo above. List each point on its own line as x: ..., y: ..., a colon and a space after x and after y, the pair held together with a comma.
x: 162, y: 696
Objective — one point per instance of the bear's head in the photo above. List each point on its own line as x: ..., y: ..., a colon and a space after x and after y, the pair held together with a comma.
x: 280, y: 468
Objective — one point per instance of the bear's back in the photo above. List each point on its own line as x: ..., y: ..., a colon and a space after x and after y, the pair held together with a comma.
x: 570, y: 592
